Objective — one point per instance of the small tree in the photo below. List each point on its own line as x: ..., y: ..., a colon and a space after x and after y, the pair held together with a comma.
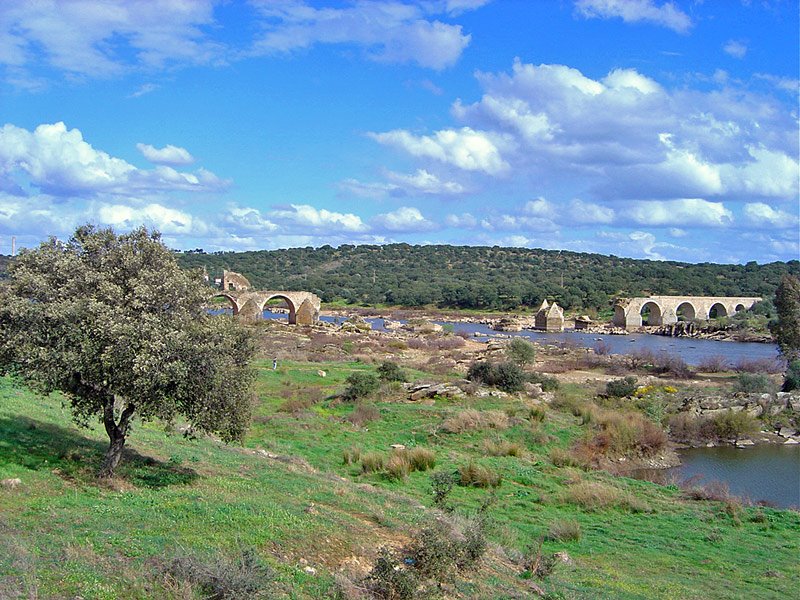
x: 359, y: 385
x: 114, y: 324
x: 786, y: 328
x: 521, y: 351
x: 391, y: 371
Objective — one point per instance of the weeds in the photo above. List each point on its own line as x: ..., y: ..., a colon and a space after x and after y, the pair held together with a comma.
x: 502, y: 448
x: 475, y: 420
x: 564, y: 531
x: 474, y: 475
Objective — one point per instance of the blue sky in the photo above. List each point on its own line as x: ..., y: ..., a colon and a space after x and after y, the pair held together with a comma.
x: 640, y: 128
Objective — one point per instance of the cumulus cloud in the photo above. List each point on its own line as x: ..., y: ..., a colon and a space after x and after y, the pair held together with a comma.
x: 248, y: 219
x: 59, y: 162
x: 307, y: 216
x: 389, y: 31
x: 464, y: 148
x: 404, y: 219
x: 462, y: 221
x: 763, y: 215
x: 735, y: 48
x: 589, y: 212
x: 635, y: 11
x: 163, y: 218
x: 422, y: 182
x: 168, y: 155
x: 686, y: 212
x: 88, y: 38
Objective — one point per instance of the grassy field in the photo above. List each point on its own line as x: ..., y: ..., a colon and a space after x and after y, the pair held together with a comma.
x: 287, y: 495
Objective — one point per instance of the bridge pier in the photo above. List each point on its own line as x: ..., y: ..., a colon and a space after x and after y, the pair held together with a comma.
x: 664, y: 310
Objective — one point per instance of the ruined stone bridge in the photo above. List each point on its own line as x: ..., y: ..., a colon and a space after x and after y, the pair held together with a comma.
x: 249, y: 304
x: 665, y: 310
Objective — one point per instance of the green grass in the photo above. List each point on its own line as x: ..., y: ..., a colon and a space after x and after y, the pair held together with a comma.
x: 64, y: 535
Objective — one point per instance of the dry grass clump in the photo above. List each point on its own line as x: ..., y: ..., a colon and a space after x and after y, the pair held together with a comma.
x: 363, y: 414
x: 398, y: 466
x: 619, y: 435
x: 475, y: 420
x: 564, y: 531
x: 564, y: 458
x: 351, y: 455
x: 502, y: 448
x: 421, y: 459
x: 593, y: 495
x: 473, y: 475
x: 372, y: 462
x: 295, y: 406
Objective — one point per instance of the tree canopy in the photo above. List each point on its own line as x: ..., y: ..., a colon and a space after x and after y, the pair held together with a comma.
x: 786, y: 328
x: 121, y: 330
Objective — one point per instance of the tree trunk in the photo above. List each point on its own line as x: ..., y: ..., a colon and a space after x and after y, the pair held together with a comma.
x: 117, y: 434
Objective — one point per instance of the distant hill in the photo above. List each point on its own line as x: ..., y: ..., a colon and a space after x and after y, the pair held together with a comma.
x: 484, y: 277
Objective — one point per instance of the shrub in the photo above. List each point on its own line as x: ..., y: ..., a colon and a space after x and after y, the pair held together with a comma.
x: 389, y: 579
x: 434, y: 552
x: 481, y: 371
x: 363, y: 413
x: 602, y: 348
x: 753, y: 383
x: 295, y: 406
x: 537, y: 415
x: 548, y: 382
x: 351, y: 455
x: 473, y: 475
x: 759, y: 365
x: 442, y: 484
x: 621, y: 388
x: 564, y: 531
x: 520, y: 351
x: 791, y: 380
x: 421, y: 459
x: 623, y: 434
x: 734, y: 424
x: 359, y: 385
x: 223, y: 578
x: 391, y: 371
x: 714, y: 364
x: 372, y: 462
x: 507, y: 376
x: 596, y: 496
x: 398, y: 466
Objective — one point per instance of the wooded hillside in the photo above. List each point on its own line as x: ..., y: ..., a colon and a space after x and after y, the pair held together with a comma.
x: 484, y: 277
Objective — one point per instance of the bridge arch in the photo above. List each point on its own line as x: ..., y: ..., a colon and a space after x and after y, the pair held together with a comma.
x: 651, y: 313
x: 234, y: 304
x: 686, y: 311
x: 739, y: 308
x: 717, y: 311
x: 285, y: 298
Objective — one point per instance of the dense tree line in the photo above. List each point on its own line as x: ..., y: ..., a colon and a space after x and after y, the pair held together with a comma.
x: 484, y: 277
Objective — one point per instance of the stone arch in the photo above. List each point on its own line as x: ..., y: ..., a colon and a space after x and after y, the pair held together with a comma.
x: 717, y: 310
x: 739, y: 308
x: 619, y: 315
x: 289, y: 303
x: 686, y: 311
x: 652, y: 311
x: 231, y: 299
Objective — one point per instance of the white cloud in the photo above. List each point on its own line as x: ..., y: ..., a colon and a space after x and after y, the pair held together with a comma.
x: 464, y: 148
x: 763, y: 215
x: 248, y: 219
x: 464, y: 220
x: 677, y: 232
x: 88, y: 38
x: 389, y: 31
x: 686, y: 212
x: 735, y: 48
x: 422, y: 182
x: 634, y: 11
x: 164, y: 219
x: 168, y: 155
x: 305, y: 215
x: 59, y: 162
x: 588, y: 213
x: 405, y: 218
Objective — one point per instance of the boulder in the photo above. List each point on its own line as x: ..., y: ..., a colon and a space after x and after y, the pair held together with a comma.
x: 507, y: 324
x: 11, y: 483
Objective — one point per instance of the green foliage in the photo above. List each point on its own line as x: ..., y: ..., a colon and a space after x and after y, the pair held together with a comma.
x: 222, y: 578
x: 520, y: 351
x: 753, y: 383
x: 787, y: 327
x: 734, y: 424
x: 507, y: 376
x: 442, y: 483
x: 482, y: 278
x: 791, y: 380
x: 391, y: 371
x: 360, y: 385
x: 621, y: 388
x: 113, y: 323
x: 548, y: 382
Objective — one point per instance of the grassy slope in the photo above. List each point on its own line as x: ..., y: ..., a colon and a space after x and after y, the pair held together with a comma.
x: 66, y: 536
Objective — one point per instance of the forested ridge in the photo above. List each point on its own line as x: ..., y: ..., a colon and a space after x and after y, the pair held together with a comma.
x: 483, y: 277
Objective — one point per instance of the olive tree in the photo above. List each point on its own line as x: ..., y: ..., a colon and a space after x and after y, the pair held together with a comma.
x: 121, y: 331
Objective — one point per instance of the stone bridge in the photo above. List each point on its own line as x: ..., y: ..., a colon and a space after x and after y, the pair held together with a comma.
x: 665, y: 310
x: 249, y: 304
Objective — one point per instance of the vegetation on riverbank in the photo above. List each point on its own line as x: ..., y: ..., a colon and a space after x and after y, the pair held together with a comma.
x: 304, y: 506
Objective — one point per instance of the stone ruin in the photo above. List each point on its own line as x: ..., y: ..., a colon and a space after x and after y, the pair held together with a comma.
x: 550, y: 318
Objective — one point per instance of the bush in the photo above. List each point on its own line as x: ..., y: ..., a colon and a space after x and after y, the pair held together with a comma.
x: 363, y: 413
x: 503, y: 448
x: 360, y: 385
x: 621, y: 388
x: 520, y: 351
x: 223, y: 578
x: 398, y: 466
x: 753, y: 383
x: 442, y: 484
x: 389, y: 579
x: 622, y: 434
x: 473, y: 475
x: 791, y: 380
x: 548, y: 383
x: 734, y: 424
x: 351, y: 455
x: 391, y: 371
x: 714, y: 364
x: 507, y: 376
x: 759, y: 365
x: 564, y: 531
x: 481, y: 371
